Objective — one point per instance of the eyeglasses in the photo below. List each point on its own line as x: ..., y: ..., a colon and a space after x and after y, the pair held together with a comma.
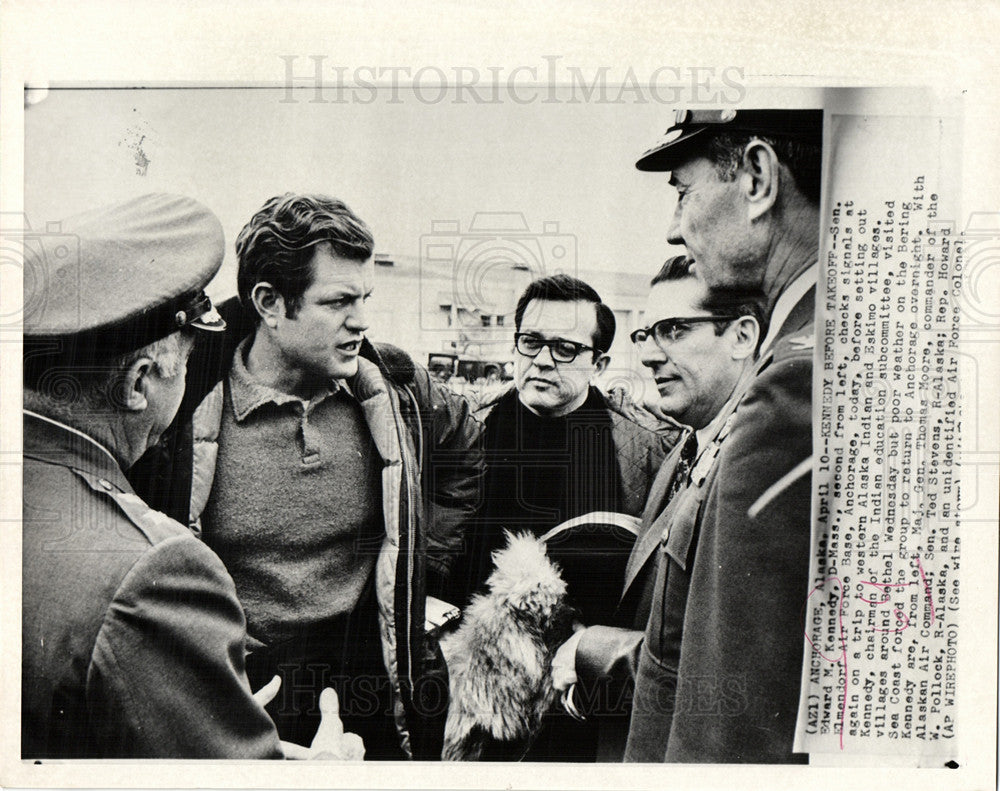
x: 562, y: 351
x: 672, y: 330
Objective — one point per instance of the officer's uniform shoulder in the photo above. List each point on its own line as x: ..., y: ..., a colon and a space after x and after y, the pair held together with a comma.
x: 788, y: 367
x: 154, y: 525
x: 95, y: 509
x: 83, y: 538
x: 777, y: 404
x: 796, y: 345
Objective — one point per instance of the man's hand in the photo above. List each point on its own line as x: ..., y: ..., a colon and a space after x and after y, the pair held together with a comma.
x: 564, y: 662
x: 266, y: 693
x: 330, y: 742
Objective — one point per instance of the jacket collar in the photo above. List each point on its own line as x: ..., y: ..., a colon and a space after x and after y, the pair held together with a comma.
x: 53, y: 442
x: 657, y: 514
x: 794, y: 308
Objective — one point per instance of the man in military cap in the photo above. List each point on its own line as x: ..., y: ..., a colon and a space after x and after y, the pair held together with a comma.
x: 133, y: 639
x: 748, y: 184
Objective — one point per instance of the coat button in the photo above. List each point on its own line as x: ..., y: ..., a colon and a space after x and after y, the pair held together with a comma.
x: 106, y: 484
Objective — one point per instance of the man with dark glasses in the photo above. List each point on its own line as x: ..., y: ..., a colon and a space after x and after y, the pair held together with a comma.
x: 558, y: 448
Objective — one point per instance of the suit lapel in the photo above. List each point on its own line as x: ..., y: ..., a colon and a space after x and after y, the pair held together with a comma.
x: 653, y: 516
x: 656, y: 517
x: 654, y: 502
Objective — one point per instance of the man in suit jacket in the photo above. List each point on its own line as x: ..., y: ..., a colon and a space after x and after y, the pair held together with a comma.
x: 748, y: 213
x: 698, y: 350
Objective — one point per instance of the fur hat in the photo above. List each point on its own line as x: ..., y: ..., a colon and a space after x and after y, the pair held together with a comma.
x: 499, y: 659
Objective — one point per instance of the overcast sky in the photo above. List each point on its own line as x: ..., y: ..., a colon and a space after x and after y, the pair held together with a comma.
x: 400, y: 166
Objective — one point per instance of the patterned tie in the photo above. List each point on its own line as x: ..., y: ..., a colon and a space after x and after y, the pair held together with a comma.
x: 682, y: 472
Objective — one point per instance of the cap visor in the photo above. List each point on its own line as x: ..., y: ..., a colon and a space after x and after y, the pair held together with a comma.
x: 669, y: 155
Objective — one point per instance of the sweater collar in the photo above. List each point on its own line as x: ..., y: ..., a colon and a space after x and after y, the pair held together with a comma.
x: 249, y: 394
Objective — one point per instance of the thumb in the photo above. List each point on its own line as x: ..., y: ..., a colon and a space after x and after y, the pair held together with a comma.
x: 266, y: 693
x: 331, y: 729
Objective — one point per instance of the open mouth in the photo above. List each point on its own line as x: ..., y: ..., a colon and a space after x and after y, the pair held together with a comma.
x: 351, y: 347
x: 665, y: 382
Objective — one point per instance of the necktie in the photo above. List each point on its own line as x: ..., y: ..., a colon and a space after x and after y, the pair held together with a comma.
x: 682, y: 473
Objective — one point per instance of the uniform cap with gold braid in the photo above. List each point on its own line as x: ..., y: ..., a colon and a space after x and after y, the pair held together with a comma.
x: 139, y: 276
x: 692, y: 126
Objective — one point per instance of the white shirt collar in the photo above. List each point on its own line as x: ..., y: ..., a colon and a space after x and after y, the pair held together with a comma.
x: 787, y: 300
x: 706, y: 434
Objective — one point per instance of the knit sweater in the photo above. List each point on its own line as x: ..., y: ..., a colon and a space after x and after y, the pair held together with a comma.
x: 295, y: 512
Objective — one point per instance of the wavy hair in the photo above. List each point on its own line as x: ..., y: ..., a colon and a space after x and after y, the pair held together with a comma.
x: 276, y: 246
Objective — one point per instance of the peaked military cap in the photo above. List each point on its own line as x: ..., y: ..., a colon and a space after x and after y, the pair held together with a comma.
x: 117, y: 278
x: 693, y: 126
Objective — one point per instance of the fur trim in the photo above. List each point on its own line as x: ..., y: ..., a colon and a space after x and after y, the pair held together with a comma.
x: 499, y: 659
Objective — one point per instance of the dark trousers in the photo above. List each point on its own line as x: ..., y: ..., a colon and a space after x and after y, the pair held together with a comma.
x: 345, y: 654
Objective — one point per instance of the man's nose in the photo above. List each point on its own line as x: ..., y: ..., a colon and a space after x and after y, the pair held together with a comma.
x: 544, y: 358
x: 357, y: 317
x: 651, y: 354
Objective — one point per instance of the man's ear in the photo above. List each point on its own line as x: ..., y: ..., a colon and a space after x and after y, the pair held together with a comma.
x: 135, y: 385
x: 760, y: 175
x: 746, y: 334
x: 268, y: 303
x: 602, y: 364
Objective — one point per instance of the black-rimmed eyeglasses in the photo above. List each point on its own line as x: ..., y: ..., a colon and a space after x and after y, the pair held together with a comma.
x: 562, y: 351
x: 672, y: 330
